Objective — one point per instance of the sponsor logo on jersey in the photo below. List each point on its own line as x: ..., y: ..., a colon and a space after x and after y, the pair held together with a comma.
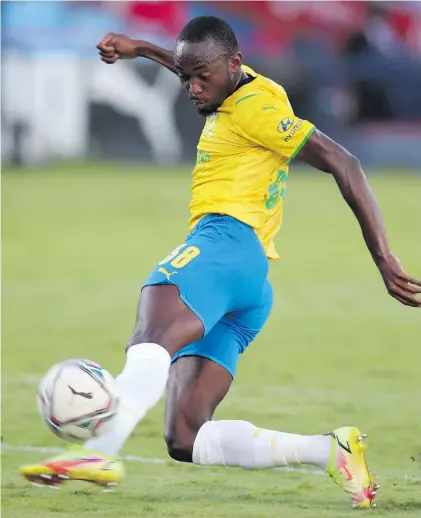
x: 285, y: 124
x: 294, y: 130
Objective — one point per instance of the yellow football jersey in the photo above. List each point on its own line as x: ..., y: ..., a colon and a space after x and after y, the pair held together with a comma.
x: 243, y: 157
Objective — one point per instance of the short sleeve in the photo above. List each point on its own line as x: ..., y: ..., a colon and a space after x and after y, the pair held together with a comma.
x: 271, y: 123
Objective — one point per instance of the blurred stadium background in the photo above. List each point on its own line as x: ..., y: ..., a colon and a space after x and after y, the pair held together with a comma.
x: 95, y: 189
x: 353, y: 68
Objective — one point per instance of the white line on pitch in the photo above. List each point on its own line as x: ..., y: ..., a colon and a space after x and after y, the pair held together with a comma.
x: 145, y: 460
x: 133, y: 458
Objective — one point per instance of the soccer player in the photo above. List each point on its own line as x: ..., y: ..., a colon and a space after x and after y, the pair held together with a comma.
x: 209, y: 298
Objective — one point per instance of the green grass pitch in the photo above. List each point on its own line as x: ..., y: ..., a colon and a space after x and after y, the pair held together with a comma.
x: 78, y: 241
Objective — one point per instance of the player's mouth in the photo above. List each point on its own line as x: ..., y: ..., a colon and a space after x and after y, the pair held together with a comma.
x: 198, y: 103
x: 204, y: 108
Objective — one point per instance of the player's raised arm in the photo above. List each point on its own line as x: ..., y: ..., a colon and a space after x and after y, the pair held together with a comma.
x: 118, y: 46
x: 326, y: 155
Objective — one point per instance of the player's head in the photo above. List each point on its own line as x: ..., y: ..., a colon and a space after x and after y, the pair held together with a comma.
x: 208, y: 61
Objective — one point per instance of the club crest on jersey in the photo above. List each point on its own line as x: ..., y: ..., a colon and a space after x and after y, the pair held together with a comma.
x: 210, y: 123
x: 285, y: 124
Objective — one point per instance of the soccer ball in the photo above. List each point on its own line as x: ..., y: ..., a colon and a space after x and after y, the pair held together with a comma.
x: 77, y: 399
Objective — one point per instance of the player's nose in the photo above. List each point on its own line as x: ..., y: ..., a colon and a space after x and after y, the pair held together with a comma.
x: 195, y: 89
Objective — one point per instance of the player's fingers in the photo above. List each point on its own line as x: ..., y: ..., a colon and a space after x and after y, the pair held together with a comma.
x: 409, y: 279
x: 406, y: 286
x: 413, y: 301
x: 107, y: 42
x: 403, y: 301
x: 107, y: 38
x: 106, y: 49
x: 405, y: 298
x: 109, y: 61
x: 109, y: 57
x: 107, y: 54
x: 410, y: 303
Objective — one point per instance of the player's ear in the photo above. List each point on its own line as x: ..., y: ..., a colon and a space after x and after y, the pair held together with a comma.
x: 236, y: 61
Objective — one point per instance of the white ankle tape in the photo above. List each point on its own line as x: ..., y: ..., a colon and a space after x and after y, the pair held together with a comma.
x: 207, y: 449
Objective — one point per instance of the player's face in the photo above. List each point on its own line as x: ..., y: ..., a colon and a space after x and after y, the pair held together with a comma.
x: 208, y: 76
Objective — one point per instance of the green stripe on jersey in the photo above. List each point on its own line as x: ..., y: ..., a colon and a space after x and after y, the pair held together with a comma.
x: 300, y: 147
x: 244, y: 98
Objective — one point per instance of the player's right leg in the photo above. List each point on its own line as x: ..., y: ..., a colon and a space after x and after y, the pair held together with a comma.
x: 164, y: 325
x: 185, y: 296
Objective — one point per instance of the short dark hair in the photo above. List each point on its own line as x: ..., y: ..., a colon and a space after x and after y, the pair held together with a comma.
x: 205, y: 28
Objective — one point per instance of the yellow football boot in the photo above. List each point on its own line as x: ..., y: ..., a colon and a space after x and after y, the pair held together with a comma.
x: 348, y: 466
x: 77, y: 463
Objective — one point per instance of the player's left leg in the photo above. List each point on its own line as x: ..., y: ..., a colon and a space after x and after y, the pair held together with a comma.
x: 199, y: 379
x: 196, y: 386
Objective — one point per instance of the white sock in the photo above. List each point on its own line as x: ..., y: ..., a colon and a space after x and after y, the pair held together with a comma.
x: 241, y: 444
x: 141, y: 385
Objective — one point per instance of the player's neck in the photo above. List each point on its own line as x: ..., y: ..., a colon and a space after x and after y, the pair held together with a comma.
x: 242, y: 76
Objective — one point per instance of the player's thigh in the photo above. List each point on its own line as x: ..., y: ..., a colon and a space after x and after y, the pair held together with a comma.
x: 200, y: 270
x: 181, y: 299
x: 163, y: 318
x: 196, y: 386
x: 198, y: 283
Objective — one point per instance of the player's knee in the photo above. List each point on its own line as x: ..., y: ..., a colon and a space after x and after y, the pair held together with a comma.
x: 180, y: 446
x: 180, y: 434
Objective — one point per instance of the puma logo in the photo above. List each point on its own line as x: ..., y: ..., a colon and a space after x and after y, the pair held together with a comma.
x: 86, y: 395
x: 166, y: 273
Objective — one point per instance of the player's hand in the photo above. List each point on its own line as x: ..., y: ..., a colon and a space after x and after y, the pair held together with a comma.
x: 117, y: 46
x: 399, y: 285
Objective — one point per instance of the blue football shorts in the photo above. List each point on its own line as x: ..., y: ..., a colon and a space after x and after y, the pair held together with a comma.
x: 221, y: 273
